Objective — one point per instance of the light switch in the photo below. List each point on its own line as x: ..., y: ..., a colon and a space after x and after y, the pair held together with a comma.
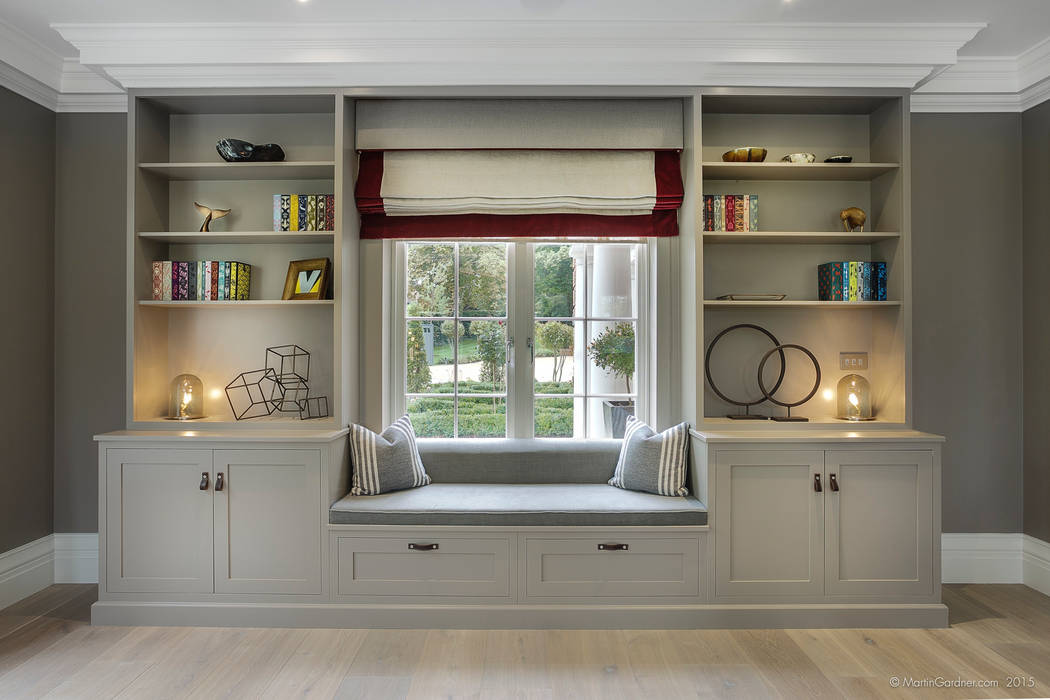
x: 853, y: 361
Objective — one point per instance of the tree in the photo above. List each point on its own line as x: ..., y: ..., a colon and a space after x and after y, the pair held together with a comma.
x: 492, y: 350
x: 418, y: 372
x: 447, y: 329
x: 430, y: 282
x: 483, y: 280
x: 554, y: 285
x: 556, y: 336
x: 613, y: 351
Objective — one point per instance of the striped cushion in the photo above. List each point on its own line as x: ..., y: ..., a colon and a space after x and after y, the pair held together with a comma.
x: 385, y: 462
x: 652, y: 462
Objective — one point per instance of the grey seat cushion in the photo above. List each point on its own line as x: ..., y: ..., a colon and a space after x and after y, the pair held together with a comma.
x: 511, y: 505
x: 504, y: 461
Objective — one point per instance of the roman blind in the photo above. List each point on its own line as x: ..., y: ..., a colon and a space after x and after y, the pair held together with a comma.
x: 519, y: 167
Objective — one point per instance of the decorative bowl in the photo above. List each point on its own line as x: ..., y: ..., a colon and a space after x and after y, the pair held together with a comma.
x: 239, y: 151
x: 839, y: 159
x: 799, y: 158
x: 745, y: 154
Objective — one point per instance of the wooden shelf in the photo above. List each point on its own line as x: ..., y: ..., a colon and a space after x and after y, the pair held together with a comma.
x: 798, y: 237
x: 250, y: 303
x: 302, y: 170
x: 806, y: 304
x: 240, y: 236
x: 718, y: 170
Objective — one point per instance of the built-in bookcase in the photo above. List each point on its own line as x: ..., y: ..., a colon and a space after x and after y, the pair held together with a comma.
x: 172, y: 164
x: 799, y: 228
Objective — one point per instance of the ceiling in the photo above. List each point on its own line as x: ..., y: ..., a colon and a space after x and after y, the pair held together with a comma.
x: 1013, y: 25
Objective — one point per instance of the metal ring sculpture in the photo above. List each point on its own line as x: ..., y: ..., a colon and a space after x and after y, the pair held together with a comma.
x: 769, y: 394
x: 746, y: 405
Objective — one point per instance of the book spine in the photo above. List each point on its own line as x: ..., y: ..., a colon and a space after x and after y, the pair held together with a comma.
x: 226, y: 282
x: 213, y: 275
x: 730, y: 213
x: 176, y: 288
x: 285, y: 213
x: 220, y: 286
x: 302, y: 212
x: 738, y: 211
x: 824, y: 282
x: 718, y: 222
x: 311, y: 212
x: 753, y: 223
x: 277, y: 212
x: 191, y: 281
x: 854, y: 281
x: 709, y: 212
x: 865, y: 281
x: 158, y: 286
x: 746, y: 218
x: 232, y: 277
x: 880, y: 281
x: 329, y: 212
x: 165, y: 280
x: 206, y: 281
x: 244, y: 276
x: 199, y: 267
x: 293, y: 212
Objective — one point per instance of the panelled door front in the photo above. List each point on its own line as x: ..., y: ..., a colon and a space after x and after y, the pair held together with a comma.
x: 880, y: 523
x: 267, y: 521
x: 769, y: 523
x: 158, y: 521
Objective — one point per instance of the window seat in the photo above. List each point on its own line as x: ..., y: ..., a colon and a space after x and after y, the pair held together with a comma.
x: 518, y: 505
x: 512, y: 483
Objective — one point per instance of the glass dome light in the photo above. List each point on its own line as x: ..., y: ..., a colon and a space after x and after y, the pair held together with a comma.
x: 186, y: 398
x: 854, y: 398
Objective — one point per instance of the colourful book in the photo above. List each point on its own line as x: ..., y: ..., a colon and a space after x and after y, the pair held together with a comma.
x: 244, y: 275
x: 709, y: 212
x: 738, y: 212
x: 158, y: 286
x: 285, y: 213
x: 191, y: 281
x: 206, y: 282
x: 200, y: 281
x: 227, y: 279
x: 753, y: 213
x: 293, y: 212
x: 329, y: 212
x: 829, y: 282
x: 277, y: 212
x: 730, y: 213
x: 854, y: 281
x: 231, y: 279
x: 879, y: 275
x: 220, y: 285
x: 303, y: 221
x: 720, y: 213
x: 165, y: 280
x: 311, y: 212
x: 213, y: 275
x: 865, y: 281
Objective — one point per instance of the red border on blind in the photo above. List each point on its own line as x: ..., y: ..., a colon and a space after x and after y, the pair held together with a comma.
x: 659, y: 224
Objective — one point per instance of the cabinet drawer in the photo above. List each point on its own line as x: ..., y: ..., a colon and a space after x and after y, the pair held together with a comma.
x: 430, y: 566
x: 591, y: 568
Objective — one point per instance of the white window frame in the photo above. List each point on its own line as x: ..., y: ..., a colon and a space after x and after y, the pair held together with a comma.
x: 520, y: 328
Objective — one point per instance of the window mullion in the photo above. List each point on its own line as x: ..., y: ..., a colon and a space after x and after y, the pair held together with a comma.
x: 521, y: 307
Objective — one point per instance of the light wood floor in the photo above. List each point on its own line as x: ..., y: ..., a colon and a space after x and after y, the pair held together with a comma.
x: 48, y: 649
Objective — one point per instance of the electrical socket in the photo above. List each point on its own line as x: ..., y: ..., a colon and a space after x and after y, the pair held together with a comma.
x: 853, y: 361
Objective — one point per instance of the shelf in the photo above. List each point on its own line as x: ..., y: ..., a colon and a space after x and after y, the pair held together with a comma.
x: 718, y: 170
x: 798, y: 237
x: 251, y: 303
x: 302, y: 170
x: 789, y: 304
x: 240, y: 236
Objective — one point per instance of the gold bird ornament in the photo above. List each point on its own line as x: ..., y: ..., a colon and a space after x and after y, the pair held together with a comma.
x: 853, y: 218
x: 210, y: 215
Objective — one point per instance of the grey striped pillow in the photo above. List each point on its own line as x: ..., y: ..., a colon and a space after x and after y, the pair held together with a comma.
x: 653, y: 462
x: 385, y: 462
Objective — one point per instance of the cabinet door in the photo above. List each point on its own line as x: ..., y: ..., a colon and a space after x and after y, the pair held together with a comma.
x: 268, y: 521
x: 880, y: 523
x: 158, y: 521
x: 769, y: 523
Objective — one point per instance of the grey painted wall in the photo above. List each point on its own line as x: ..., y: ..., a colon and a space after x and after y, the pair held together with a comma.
x: 27, y: 172
x: 90, y: 237
x: 966, y: 223
x: 1036, y: 130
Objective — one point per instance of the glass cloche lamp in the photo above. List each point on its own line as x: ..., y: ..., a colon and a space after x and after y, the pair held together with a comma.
x: 854, y: 398
x: 186, y: 398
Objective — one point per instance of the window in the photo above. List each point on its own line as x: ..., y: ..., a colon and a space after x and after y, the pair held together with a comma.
x: 519, y: 339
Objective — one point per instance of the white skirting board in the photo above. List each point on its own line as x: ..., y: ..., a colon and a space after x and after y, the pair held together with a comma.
x: 966, y: 558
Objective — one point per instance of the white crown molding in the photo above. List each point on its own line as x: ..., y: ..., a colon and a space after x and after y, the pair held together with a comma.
x: 22, y: 52
x: 21, y: 84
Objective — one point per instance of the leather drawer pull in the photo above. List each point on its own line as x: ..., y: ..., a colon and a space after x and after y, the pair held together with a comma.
x: 613, y: 547
x: 423, y: 547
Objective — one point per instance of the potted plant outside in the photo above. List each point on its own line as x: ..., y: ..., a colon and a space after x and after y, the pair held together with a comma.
x: 613, y: 351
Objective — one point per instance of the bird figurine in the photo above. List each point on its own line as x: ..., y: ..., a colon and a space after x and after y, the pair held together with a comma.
x: 210, y: 215
x: 853, y: 218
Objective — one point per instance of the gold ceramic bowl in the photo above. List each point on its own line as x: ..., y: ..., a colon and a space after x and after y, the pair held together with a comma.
x: 745, y: 154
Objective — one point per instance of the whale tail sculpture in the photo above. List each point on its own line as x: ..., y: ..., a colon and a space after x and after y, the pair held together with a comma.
x: 210, y: 215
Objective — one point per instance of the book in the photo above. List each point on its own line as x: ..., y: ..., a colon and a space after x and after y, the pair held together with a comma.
x: 730, y: 215
x: 191, y: 281
x: 214, y: 276
x: 829, y: 281
x: 720, y: 213
x: 165, y: 280
x: 865, y: 282
x: 854, y: 281
x: 329, y: 212
x: 311, y: 212
x: 227, y: 280
x: 200, y: 280
x: 244, y: 275
x: 277, y: 213
x: 753, y: 213
x: 879, y: 276
x: 293, y: 212
x: 220, y: 285
x: 285, y: 214
x: 302, y: 212
x: 709, y: 212
x: 738, y: 212
x: 206, y: 284
x: 158, y: 286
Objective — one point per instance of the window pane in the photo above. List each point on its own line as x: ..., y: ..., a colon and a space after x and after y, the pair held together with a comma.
x: 554, y: 280
x: 611, y: 275
x: 483, y: 358
x: 611, y: 357
x: 483, y: 280
x: 608, y: 417
x: 555, y: 366
x: 554, y: 417
x: 431, y: 416
x: 429, y: 279
x: 482, y: 417
x: 428, y: 361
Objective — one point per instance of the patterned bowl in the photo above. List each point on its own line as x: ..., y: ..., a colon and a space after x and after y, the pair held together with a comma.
x: 799, y: 158
x: 745, y: 154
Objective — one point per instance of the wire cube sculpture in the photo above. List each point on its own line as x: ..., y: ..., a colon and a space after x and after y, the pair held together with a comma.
x: 288, y: 360
x: 253, y: 394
